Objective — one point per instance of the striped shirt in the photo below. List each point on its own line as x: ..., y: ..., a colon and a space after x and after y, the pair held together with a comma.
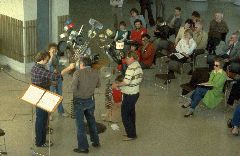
x: 133, y: 78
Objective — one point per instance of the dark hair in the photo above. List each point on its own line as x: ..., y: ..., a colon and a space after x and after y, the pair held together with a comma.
x: 132, y: 54
x: 178, y: 8
x: 119, y: 78
x: 137, y: 20
x: 159, y: 20
x: 146, y: 35
x: 123, y: 23
x: 196, y: 14
x: 163, y: 32
x: 135, y: 44
x: 51, y: 45
x: 134, y: 10
x: 41, y: 56
x: 190, y: 22
x: 86, y: 61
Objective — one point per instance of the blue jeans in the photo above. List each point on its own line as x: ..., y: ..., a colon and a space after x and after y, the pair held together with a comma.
x: 128, y: 114
x: 236, y: 117
x: 197, y: 96
x: 58, y: 89
x: 85, y: 107
x: 40, y: 126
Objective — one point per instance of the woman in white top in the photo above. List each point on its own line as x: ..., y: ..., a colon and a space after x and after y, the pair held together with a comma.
x: 184, y: 50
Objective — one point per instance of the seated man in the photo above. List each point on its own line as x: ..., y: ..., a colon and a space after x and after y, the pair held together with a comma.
x: 211, y: 92
x: 136, y: 34
x: 147, y: 52
x: 235, y: 122
x: 231, y: 51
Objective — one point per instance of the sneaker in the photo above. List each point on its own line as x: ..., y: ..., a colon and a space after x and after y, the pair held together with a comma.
x: 80, y: 150
x: 96, y: 144
x: 46, y: 145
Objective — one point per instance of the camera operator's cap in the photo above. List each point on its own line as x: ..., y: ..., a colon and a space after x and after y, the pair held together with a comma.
x: 132, y: 54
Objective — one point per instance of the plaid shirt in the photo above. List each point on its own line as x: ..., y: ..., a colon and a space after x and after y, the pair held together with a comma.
x: 41, y: 76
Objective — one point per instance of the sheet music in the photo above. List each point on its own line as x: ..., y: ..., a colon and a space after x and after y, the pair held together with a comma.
x: 179, y: 55
x: 48, y: 101
x: 33, y: 94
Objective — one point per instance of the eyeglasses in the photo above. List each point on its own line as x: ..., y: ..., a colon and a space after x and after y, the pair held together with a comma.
x: 216, y: 65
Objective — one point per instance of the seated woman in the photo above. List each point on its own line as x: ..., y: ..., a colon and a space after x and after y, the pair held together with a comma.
x: 211, y: 92
x: 185, y: 49
x: 235, y: 122
x: 189, y: 24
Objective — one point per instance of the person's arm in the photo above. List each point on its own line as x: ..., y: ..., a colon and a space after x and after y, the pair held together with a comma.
x: 124, y: 37
x: 149, y: 52
x: 127, y: 79
x: 178, y: 47
x: 178, y: 38
x: 203, y: 42
x: 116, y: 36
x: 68, y: 69
x: 217, y: 82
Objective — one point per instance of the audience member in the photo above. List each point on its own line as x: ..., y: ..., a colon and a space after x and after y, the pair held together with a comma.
x: 135, y: 15
x: 217, y: 31
x: 196, y: 16
x: 235, y: 122
x: 189, y: 24
x: 122, y: 33
x: 211, y: 92
x: 136, y: 34
x: 147, y: 52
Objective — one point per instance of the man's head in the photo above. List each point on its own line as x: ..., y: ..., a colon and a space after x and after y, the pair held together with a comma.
x: 198, y: 27
x: 134, y: 12
x: 234, y: 37
x: 52, y: 48
x: 85, y: 62
x: 138, y: 24
x: 195, y: 16
x: 145, y: 39
x: 218, y: 16
x: 42, y: 57
x: 134, y: 46
x: 178, y: 11
x: 131, y: 57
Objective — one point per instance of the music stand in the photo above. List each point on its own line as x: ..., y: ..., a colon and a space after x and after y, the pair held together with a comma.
x: 43, y: 99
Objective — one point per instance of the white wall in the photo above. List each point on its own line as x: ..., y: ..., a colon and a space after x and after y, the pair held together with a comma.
x: 59, y: 8
x: 12, y: 8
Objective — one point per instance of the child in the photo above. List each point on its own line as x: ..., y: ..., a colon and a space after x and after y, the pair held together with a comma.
x: 113, y: 99
x: 122, y: 33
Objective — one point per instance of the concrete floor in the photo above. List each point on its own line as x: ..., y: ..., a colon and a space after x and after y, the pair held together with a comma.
x: 162, y: 130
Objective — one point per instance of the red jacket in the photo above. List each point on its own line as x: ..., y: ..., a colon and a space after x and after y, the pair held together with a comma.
x: 137, y: 35
x: 148, y: 54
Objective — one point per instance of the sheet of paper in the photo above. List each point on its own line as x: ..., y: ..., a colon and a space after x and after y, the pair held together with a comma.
x: 179, y: 56
x: 33, y: 94
x: 48, y: 101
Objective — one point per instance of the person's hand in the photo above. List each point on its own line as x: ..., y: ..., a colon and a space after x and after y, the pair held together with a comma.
x: 231, y: 42
x: 226, y: 60
x: 114, y: 85
x: 72, y: 66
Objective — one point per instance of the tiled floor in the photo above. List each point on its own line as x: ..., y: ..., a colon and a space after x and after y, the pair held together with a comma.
x: 162, y: 129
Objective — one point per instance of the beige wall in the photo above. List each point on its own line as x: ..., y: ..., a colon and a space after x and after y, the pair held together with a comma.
x: 12, y: 8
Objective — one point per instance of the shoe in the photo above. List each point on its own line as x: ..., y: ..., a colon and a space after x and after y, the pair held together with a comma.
x: 80, y: 150
x: 188, y: 115
x: 46, y: 145
x: 167, y: 82
x: 184, y: 106
x: 128, y: 139
x: 96, y: 144
x: 64, y: 115
x: 235, y: 131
